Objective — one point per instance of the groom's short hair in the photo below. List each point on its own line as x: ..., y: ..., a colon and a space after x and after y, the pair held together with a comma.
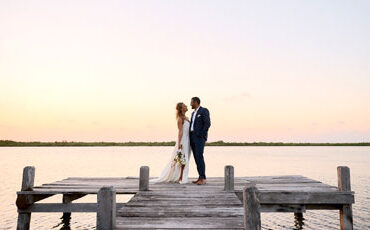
x: 196, y: 99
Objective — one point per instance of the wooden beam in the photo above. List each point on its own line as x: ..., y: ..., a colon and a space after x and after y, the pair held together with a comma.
x: 106, y: 213
x: 51, y: 191
x: 323, y: 206
x: 66, y: 208
x: 344, y: 184
x: 252, y: 213
x: 24, y: 219
x: 304, y: 198
x: 282, y: 208
x: 59, y: 207
x: 24, y: 201
x: 229, y: 178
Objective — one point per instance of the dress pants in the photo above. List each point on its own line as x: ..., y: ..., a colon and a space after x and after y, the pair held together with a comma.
x: 197, y: 145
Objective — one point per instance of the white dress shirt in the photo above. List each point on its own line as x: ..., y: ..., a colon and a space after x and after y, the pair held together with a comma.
x: 192, y: 121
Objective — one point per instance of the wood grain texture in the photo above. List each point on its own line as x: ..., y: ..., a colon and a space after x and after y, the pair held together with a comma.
x: 144, y: 178
x: 344, y: 184
x: 229, y: 178
x: 24, y: 219
x: 216, y: 205
x: 178, y: 209
x: 106, y: 209
x: 252, y: 208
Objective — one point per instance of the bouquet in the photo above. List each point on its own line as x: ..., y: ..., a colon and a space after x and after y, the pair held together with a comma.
x: 180, y: 157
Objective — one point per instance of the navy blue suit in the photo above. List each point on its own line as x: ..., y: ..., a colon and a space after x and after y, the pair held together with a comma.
x: 199, y: 137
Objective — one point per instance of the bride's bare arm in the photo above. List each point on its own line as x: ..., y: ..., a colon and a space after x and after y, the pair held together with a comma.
x: 179, y: 125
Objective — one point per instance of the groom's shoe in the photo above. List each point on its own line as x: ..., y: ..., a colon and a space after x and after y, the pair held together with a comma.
x: 196, y: 181
x: 201, y: 182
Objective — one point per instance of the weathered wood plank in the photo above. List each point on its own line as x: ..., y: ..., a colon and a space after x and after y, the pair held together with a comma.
x: 67, y: 207
x: 259, y: 179
x: 179, y: 223
x: 181, y: 211
x: 282, y: 197
x: 171, y: 205
x: 73, y: 191
x: 305, y: 197
x: 184, y: 202
x: 296, y: 189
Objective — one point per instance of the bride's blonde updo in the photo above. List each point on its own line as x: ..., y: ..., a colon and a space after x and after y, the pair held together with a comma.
x: 179, y: 112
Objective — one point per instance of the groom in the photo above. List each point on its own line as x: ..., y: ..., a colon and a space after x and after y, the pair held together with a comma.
x: 199, y: 125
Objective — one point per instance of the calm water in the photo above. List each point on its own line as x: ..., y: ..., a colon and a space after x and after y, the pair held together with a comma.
x: 56, y: 163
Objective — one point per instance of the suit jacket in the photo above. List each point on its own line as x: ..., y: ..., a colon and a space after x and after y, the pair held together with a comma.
x: 202, y: 123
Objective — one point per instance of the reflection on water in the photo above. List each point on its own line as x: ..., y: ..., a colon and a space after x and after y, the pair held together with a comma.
x: 298, y: 221
x: 65, y: 223
x: 56, y: 163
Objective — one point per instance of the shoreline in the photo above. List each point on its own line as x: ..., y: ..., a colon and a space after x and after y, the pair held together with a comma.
x: 9, y: 143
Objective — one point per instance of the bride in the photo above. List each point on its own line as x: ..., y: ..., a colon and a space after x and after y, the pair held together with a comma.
x: 177, y: 169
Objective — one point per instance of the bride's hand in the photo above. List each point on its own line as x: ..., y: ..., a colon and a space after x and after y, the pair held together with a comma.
x: 180, y: 147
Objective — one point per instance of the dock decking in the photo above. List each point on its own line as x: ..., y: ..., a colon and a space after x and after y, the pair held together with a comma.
x: 223, y: 203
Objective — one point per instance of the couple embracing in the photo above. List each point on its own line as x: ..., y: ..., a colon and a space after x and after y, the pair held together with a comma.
x: 192, y: 136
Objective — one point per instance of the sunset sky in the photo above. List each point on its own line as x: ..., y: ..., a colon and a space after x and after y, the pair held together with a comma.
x: 292, y: 71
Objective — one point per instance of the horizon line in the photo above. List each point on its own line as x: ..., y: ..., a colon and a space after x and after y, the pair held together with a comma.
x: 10, y: 143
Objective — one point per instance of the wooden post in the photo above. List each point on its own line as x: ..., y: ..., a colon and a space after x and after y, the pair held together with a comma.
x: 67, y: 199
x: 106, y: 213
x: 66, y: 215
x: 229, y: 178
x: 344, y: 184
x: 24, y: 219
x: 252, y: 208
x: 144, y: 178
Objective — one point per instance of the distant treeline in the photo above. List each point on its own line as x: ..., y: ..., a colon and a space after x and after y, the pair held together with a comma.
x: 9, y: 143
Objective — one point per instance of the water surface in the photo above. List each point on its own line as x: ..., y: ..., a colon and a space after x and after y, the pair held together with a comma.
x: 56, y: 163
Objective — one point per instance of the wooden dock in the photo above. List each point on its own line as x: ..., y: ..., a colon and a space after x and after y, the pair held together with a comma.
x: 223, y: 203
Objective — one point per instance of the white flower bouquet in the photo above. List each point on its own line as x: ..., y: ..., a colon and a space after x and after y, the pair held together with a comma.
x: 180, y: 157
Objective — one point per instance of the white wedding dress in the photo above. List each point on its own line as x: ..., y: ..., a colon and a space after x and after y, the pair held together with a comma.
x: 172, y: 171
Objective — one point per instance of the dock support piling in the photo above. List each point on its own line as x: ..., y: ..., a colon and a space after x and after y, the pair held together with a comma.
x: 344, y: 184
x: 106, y: 213
x: 66, y: 215
x: 24, y: 219
x: 252, y: 208
x: 144, y: 178
x: 229, y: 178
x: 67, y: 199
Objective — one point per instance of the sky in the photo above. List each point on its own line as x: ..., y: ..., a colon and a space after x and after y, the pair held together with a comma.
x: 291, y: 71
